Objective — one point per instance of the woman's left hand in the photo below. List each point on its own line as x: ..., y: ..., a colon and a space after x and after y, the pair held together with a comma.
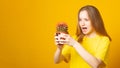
x: 68, y: 39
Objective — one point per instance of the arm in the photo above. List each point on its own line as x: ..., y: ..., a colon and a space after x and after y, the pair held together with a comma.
x: 58, y: 54
x: 91, y: 60
x: 58, y: 57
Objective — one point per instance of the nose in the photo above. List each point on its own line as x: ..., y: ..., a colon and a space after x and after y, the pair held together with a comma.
x: 82, y: 23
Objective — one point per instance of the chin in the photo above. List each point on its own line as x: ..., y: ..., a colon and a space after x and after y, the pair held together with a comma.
x: 85, y: 33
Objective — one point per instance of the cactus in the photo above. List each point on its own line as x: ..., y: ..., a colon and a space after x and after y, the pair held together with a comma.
x: 62, y: 27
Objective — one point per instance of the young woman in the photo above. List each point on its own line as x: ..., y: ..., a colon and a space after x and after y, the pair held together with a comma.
x: 89, y: 47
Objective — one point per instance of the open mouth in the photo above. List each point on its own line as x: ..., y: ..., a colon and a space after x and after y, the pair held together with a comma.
x: 84, y: 28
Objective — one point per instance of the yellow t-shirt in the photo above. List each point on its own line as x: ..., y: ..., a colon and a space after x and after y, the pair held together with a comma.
x: 97, y: 46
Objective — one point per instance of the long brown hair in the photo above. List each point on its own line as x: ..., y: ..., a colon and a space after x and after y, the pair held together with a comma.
x: 96, y: 21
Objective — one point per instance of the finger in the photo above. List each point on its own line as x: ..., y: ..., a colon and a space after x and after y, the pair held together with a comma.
x: 60, y: 42
x: 64, y: 35
x: 56, y: 37
x: 65, y: 38
x: 56, y: 34
x: 57, y: 42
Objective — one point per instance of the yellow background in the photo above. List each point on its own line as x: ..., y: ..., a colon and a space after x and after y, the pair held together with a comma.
x: 27, y: 30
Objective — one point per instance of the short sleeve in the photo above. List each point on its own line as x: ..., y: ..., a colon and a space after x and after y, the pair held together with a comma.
x: 66, y: 53
x: 102, y: 49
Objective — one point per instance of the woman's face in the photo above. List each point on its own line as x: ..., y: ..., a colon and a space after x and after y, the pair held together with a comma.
x: 85, y: 23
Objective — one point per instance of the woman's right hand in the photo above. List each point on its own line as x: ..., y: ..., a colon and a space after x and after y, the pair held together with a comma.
x: 59, y: 40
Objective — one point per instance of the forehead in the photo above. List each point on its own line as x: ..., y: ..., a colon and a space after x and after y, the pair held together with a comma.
x: 83, y: 14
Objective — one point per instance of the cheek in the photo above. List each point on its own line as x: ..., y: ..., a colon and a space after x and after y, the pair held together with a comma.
x: 89, y: 24
x: 80, y: 24
x: 91, y: 28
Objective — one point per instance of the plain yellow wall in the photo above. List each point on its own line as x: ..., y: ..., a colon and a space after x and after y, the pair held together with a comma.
x: 27, y: 30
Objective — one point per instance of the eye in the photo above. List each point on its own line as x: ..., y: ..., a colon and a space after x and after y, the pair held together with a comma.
x: 86, y: 19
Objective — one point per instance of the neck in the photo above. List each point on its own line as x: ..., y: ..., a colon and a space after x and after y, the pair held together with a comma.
x: 91, y: 35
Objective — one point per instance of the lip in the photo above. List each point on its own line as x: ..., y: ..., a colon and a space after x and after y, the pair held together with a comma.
x: 84, y: 29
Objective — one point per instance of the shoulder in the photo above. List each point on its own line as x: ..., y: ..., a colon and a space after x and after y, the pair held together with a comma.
x: 104, y: 38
